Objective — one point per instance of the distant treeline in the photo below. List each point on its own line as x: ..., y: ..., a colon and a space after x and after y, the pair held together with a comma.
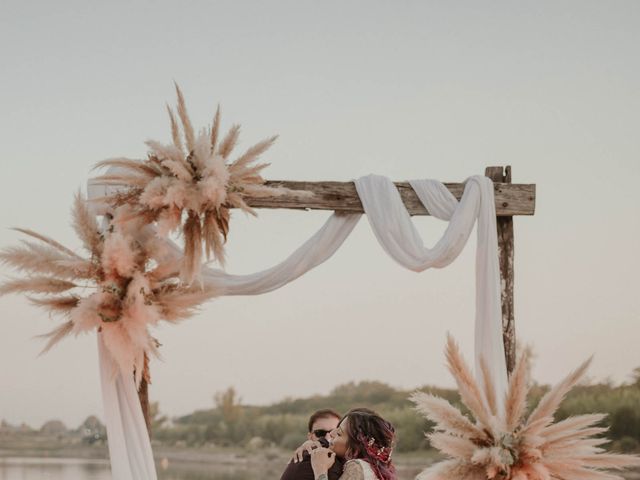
x: 283, y: 424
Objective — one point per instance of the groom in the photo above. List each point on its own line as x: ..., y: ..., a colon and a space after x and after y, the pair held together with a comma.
x: 320, y: 424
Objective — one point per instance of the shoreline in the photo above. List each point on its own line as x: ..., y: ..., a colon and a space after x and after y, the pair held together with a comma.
x: 271, y: 460
x: 221, y: 455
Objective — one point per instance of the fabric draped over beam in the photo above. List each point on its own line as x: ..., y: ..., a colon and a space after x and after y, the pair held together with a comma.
x: 129, y: 446
x: 130, y: 450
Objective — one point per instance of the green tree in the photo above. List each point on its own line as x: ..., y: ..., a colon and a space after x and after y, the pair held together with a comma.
x: 228, y: 403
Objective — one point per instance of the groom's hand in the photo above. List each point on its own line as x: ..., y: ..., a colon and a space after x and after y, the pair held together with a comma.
x: 305, y: 447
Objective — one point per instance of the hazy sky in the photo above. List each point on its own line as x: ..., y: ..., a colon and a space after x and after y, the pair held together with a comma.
x: 410, y: 89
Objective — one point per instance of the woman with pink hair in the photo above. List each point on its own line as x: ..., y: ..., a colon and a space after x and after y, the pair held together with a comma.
x: 365, y: 440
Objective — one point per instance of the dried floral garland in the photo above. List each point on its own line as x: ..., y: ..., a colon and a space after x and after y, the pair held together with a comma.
x: 136, y: 280
x: 132, y: 277
x: 191, y: 184
x: 508, y: 446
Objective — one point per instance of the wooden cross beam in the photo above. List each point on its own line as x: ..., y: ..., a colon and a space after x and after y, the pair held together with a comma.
x: 511, y: 199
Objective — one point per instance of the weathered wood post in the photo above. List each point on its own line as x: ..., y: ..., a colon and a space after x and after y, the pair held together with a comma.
x: 143, y: 393
x: 505, y: 249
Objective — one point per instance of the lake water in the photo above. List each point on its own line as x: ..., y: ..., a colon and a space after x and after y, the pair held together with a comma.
x: 15, y: 468
x: 71, y: 469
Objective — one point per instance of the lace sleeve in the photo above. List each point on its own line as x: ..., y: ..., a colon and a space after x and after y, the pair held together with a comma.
x: 352, y: 471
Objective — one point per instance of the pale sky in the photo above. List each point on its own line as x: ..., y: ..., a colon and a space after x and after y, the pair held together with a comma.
x: 410, y: 89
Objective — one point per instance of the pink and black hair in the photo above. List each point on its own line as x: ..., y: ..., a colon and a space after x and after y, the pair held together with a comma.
x: 371, y: 438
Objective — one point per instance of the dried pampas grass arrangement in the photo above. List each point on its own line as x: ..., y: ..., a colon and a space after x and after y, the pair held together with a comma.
x: 131, y: 278
x: 128, y: 282
x: 506, y: 445
x: 191, y: 184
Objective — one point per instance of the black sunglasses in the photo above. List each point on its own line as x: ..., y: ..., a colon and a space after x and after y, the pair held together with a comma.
x: 320, y: 432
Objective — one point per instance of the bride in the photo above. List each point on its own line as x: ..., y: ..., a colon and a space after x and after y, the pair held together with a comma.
x: 365, y: 440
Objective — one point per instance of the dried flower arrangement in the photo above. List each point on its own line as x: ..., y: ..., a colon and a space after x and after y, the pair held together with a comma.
x: 136, y: 279
x: 191, y: 184
x: 132, y: 277
x: 506, y: 446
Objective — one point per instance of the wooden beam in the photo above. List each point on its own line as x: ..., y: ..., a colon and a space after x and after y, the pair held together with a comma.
x: 511, y: 199
x: 505, y: 249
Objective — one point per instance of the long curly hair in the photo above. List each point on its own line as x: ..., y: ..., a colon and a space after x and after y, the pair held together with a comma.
x: 371, y: 438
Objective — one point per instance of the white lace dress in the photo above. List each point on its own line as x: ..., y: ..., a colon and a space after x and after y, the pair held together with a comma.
x: 367, y: 470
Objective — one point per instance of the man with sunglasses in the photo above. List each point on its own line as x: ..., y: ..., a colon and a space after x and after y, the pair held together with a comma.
x: 320, y: 424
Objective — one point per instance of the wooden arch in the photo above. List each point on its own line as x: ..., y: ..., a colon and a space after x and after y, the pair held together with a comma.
x: 511, y: 199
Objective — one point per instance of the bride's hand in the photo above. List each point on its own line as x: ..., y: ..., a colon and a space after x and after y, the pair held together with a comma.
x: 321, y: 460
x: 305, y: 447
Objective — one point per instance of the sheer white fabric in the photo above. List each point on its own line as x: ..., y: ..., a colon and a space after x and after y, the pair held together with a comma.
x: 396, y: 234
x: 321, y: 246
x: 129, y: 445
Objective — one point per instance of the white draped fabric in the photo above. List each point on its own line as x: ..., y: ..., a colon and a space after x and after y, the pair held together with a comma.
x: 322, y: 245
x: 129, y: 445
x: 397, y: 235
x: 130, y: 450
